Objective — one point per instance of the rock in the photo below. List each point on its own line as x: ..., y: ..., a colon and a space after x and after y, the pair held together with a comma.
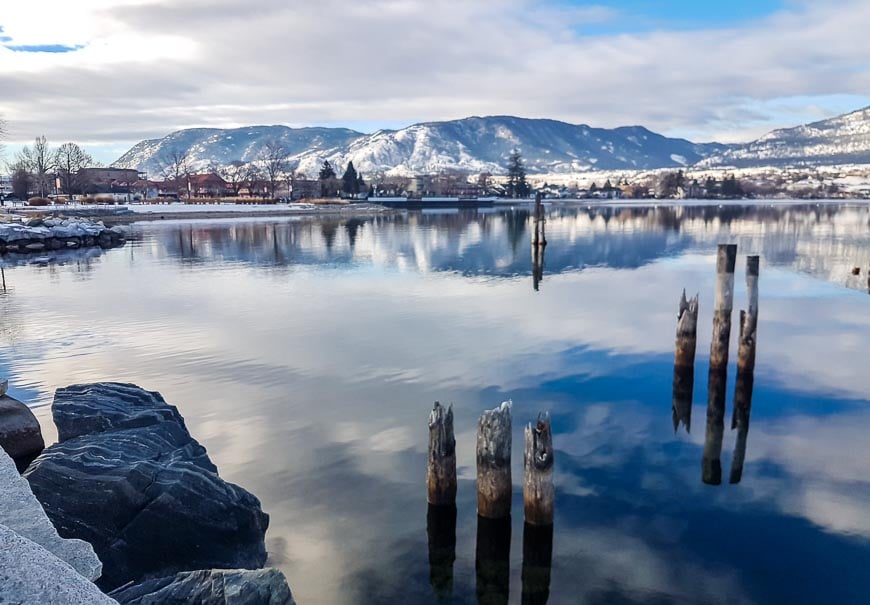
x: 21, y: 512
x: 20, y: 434
x: 31, y: 574
x: 34, y: 222
x: 211, y: 587
x: 128, y: 478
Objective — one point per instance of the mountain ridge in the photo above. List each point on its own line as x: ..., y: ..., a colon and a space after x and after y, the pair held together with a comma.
x: 482, y: 144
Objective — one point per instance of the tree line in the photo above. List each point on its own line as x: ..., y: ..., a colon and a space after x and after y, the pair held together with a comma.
x: 36, y: 167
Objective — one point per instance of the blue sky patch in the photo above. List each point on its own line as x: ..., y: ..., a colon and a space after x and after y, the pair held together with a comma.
x: 642, y: 15
x: 43, y: 48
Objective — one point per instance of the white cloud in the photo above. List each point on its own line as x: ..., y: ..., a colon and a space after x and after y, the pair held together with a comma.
x: 148, y: 67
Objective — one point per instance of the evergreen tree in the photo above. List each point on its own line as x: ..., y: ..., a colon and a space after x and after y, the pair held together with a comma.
x: 349, y: 180
x: 326, y: 171
x: 517, y: 185
x: 360, y: 183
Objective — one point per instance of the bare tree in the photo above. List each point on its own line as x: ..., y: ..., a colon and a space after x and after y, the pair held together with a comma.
x: 234, y: 174
x: 174, y: 165
x: 273, y: 159
x: 39, y: 161
x: 69, y: 161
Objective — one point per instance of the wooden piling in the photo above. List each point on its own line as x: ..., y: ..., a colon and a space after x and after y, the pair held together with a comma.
x: 441, y: 531
x: 538, y: 490
x: 687, y: 332
x: 494, y: 463
x: 711, y: 461
x: 539, y: 237
x: 681, y: 406
x: 684, y: 362
x: 537, y: 563
x: 749, y: 319
x: 441, y: 475
x: 740, y: 421
x: 725, y: 261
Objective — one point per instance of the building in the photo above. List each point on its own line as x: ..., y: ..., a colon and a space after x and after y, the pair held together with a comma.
x: 5, y: 186
x: 303, y: 189
x: 108, y: 180
x: 207, y: 185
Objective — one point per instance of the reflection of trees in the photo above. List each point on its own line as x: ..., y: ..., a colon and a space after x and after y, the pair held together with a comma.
x: 826, y: 241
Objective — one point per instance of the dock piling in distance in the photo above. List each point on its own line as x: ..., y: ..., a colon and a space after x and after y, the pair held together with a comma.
x: 441, y: 473
x: 494, y: 463
x: 684, y: 362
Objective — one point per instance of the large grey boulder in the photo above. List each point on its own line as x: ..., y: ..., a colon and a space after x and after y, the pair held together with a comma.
x: 29, y: 574
x: 21, y: 512
x: 128, y: 478
x: 210, y: 587
x: 20, y: 434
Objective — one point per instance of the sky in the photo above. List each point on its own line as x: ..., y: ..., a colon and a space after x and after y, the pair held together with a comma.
x: 108, y: 73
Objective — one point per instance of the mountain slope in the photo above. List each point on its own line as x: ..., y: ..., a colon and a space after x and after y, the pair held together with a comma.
x: 214, y: 145
x: 471, y: 144
x: 844, y: 139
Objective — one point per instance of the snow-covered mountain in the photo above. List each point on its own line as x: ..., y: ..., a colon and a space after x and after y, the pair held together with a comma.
x: 471, y: 144
x: 844, y: 139
x: 207, y: 146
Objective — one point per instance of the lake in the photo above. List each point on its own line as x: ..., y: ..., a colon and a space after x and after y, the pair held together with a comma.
x: 306, y: 355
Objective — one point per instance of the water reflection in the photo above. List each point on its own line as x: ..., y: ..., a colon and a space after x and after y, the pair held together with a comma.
x: 493, y: 560
x: 740, y: 422
x: 825, y: 241
x: 441, y: 531
x: 537, y: 563
x: 301, y: 355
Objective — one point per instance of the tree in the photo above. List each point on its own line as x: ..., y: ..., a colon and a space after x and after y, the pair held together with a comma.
x: 326, y: 171
x: 234, y: 174
x: 2, y: 135
x: 360, y: 183
x: 22, y: 181
x: 39, y: 161
x: 517, y: 185
x: 273, y: 158
x: 174, y: 165
x: 349, y: 180
x: 69, y: 159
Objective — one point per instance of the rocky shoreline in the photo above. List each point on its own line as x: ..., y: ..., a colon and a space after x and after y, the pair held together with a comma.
x: 127, y: 507
x: 58, y: 233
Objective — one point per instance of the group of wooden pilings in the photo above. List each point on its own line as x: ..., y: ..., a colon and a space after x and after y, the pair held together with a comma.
x: 684, y: 365
x: 539, y: 242
x: 494, y: 498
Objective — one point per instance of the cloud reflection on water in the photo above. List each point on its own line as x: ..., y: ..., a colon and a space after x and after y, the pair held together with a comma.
x: 305, y: 356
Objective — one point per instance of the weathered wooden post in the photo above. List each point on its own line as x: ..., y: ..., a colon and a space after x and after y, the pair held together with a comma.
x: 539, y: 238
x: 749, y: 319
x: 493, y: 560
x: 687, y: 332
x: 3, y: 275
x: 684, y: 362
x: 538, y: 490
x: 441, y: 531
x: 494, y: 463
x: 537, y: 563
x: 441, y: 475
x: 711, y: 464
x: 740, y: 421
x: 725, y: 261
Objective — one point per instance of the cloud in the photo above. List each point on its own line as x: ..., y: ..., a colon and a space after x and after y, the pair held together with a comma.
x: 146, y: 67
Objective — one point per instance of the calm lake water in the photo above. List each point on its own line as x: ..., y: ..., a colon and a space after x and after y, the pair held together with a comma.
x: 306, y: 355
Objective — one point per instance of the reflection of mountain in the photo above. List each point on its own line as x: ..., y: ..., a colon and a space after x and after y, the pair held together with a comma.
x: 825, y: 241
